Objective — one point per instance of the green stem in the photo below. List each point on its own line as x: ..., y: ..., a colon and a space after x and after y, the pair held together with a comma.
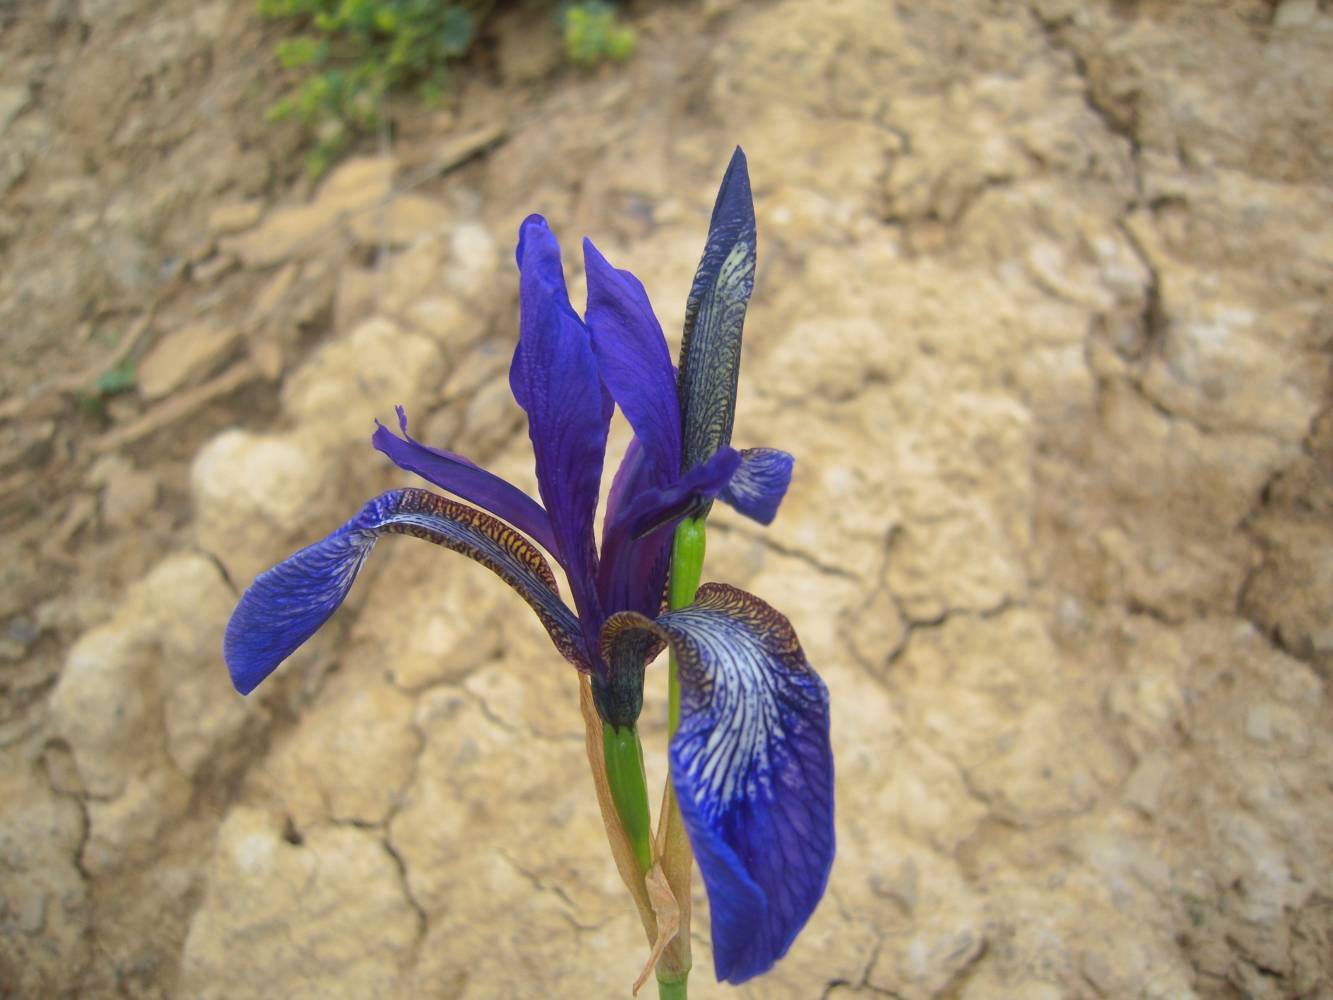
x: 687, y: 567
x: 629, y: 788
x: 673, y: 989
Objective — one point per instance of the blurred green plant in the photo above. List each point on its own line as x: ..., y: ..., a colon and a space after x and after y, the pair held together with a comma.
x: 112, y: 382
x: 352, y: 54
x: 116, y: 380
x: 593, y: 35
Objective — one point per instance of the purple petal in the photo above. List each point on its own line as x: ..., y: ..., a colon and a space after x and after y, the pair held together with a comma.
x: 759, y: 484
x: 633, y: 475
x: 664, y: 507
x: 287, y: 604
x: 632, y: 574
x: 462, y: 478
x: 633, y: 358
x: 554, y: 377
x: 752, y: 767
x: 538, y: 253
x: 636, y: 543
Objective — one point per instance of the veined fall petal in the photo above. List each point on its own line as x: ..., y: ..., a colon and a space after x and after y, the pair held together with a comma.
x: 287, y: 604
x: 752, y: 767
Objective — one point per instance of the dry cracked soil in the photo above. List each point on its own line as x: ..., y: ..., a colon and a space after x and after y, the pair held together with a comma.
x: 1043, y: 311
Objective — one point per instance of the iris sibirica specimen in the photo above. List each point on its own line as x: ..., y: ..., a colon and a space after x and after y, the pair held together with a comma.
x: 751, y: 789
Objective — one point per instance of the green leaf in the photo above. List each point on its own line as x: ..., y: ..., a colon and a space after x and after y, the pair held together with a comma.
x: 293, y: 53
x: 620, y: 44
x: 432, y: 92
x: 456, y: 32
x: 592, y: 34
x: 92, y: 404
x: 116, y: 380
x: 280, y: 110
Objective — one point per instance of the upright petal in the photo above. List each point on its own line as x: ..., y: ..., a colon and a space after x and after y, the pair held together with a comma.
x: 752, y: 767
x: 633, y: 475
x: 710, y: 354
x: 462, y: 478
x: 287, y: 604
x: 759, y: 484
x: 554, y: 377
x: 633, y: 358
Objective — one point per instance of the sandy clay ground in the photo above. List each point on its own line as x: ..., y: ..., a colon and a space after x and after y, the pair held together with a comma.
x: 1043, y: 311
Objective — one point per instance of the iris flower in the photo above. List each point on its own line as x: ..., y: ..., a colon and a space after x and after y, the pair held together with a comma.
x: 750, y: 762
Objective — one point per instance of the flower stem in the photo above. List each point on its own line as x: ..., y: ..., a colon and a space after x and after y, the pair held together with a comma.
x: 673, y: 989
x: 687, y: 566
x: 629, y: 788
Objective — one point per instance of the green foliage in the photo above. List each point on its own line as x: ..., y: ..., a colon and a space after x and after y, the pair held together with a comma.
x: 111, y: 382
x: 592, y: 34
x: 116, y: 380
x: 354, y: 52
x: 351, y: 54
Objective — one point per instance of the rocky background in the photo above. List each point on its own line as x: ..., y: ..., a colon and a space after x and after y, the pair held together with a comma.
x: 1043, y: 310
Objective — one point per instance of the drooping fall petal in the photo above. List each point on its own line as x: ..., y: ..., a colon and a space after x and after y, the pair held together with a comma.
x: 752, y: 767
x: 287, y: 604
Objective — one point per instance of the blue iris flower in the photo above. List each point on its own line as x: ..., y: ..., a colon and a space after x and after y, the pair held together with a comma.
x: 751, y: 761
